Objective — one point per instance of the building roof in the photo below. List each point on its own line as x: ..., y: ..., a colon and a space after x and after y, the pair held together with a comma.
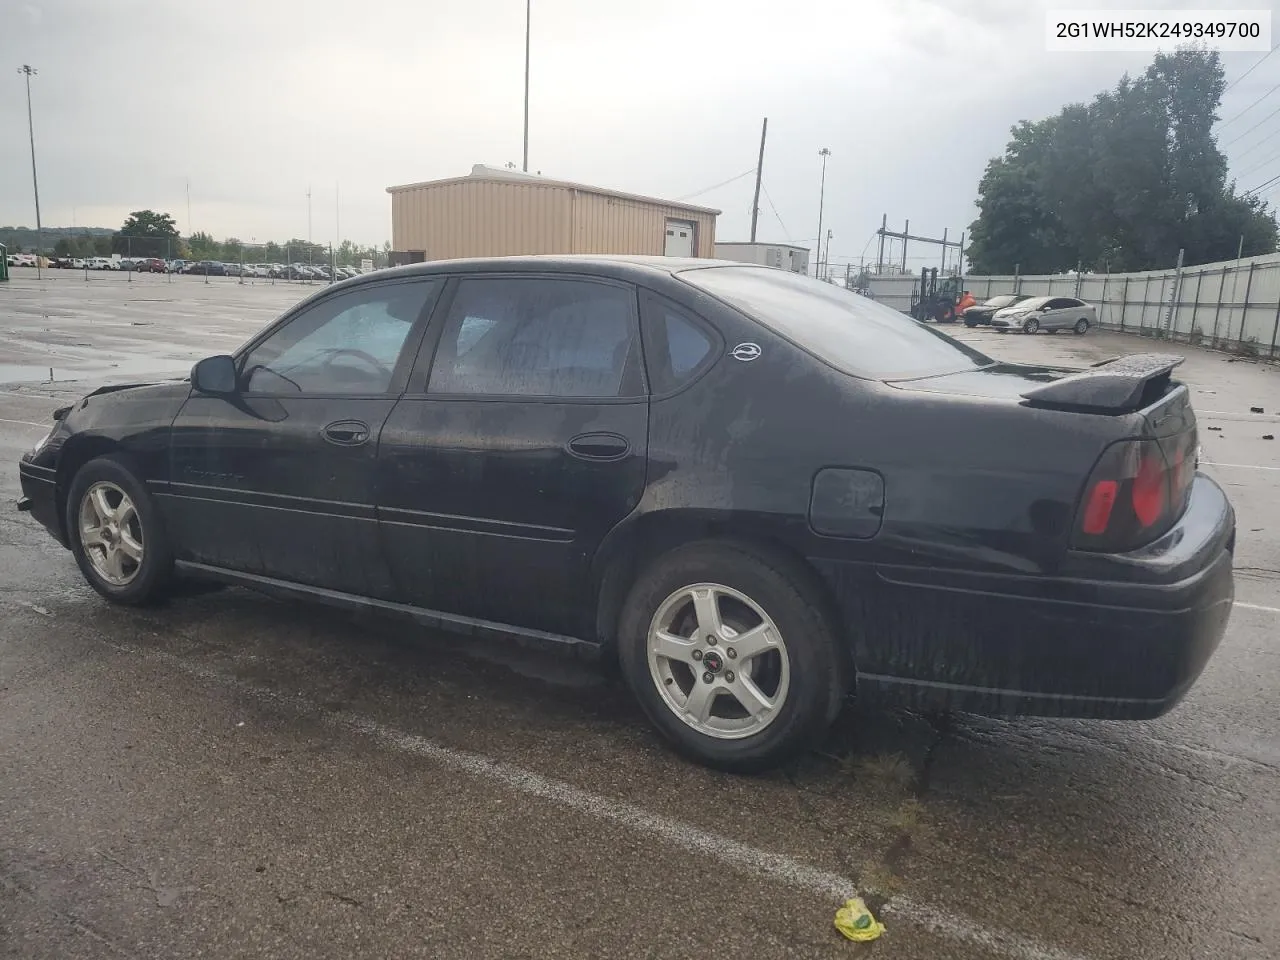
x: 759, y: 243
x: 482, y: 172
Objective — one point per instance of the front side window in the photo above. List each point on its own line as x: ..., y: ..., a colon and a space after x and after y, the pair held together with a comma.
x: 538, y: 337
x: 347, y: 344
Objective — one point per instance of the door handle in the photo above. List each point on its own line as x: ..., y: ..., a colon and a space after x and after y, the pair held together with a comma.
x: 599, y: 446
x: 346, y: 433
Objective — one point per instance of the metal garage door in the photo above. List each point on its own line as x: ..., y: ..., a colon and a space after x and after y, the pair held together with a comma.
x: 679, y: 239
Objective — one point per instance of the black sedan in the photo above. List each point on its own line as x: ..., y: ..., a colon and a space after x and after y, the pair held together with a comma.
x: 981, y: 313
x: 758, y: 493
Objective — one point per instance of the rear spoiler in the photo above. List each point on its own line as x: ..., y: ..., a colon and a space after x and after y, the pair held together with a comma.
x: 1122, y: 385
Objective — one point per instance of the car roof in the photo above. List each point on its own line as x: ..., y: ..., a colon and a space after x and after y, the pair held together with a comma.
x: 617, y: 265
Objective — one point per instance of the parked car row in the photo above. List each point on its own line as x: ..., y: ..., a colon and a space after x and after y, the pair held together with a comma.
x: 212, y: 268
x: 1018, y: 311
x: 264, y: 271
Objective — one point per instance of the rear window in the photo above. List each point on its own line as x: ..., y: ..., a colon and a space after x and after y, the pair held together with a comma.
x: 851, y: 332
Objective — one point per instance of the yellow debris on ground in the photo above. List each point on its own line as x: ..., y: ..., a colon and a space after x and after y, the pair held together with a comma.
x: 855, y: 921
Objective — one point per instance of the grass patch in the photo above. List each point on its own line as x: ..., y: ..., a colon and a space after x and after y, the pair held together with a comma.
x: 887, y: 769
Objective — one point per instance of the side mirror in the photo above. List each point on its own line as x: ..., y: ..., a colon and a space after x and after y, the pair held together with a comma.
x: 214, y: 375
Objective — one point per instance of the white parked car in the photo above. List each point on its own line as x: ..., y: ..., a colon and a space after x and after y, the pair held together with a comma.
x: 1046, y: 313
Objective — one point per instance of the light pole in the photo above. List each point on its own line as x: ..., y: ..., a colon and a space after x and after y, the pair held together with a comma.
x: 528, y: 11
x: 30, y: 72
x: 822, y: 193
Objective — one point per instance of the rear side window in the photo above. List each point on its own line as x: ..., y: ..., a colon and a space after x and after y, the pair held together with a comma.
x: 852, y: 333
x: 538, y: 337
x: 677, y: 347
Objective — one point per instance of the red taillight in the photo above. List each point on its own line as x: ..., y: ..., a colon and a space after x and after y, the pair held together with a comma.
x: 1149, y: 488
x: 1135, y: 493
x: 1097, y: 509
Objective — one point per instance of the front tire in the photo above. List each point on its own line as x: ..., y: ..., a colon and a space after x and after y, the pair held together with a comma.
x: 116, y: 534
x: 1031, y: 326
x: 730, y: 655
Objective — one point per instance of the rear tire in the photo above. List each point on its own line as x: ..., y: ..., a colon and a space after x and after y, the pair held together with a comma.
x: 1082, y: 326
x: 115, y: 533
x: 764, y: 703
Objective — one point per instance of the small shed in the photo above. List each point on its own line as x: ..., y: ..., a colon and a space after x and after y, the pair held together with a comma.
x: 784, y: 256
x: 495, y: 212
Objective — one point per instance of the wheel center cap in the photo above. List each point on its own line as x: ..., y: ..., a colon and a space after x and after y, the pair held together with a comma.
x: 713, y: 661
x: 108, y: 534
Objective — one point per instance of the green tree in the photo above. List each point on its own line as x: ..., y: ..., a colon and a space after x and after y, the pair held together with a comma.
x: 1123, y: 181
x: 202, y: 246
x: 147, y: 234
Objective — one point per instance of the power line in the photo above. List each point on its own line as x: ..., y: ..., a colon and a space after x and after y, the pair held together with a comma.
x: 1254, y: 146
x: 1260, y: 164
x: 1253, y: 128
x: 717, y: 186
x: 785, y: 232
x: 1263, y: 185
x: 1237, y: 116
x: 1256, y: 63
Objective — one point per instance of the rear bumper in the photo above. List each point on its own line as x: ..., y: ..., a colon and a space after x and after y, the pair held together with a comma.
x: 40, y: 497
x: 1127, y: 645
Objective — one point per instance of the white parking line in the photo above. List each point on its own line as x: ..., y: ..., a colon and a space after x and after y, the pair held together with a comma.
x: 26, y: 423
x: 1238, y: 466
x: 1236, y: 414
x: 740, y: 856
x: 1256, y: 606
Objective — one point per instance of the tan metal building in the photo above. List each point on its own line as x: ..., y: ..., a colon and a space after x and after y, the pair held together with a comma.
x: 498, y: 213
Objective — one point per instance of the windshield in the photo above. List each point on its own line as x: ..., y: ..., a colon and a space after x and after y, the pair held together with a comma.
x: 1033, y: 303
x: 1007, y: 300
x: 848, y: 331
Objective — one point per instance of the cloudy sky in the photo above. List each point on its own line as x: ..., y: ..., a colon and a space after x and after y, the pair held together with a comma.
x: 254, y: 103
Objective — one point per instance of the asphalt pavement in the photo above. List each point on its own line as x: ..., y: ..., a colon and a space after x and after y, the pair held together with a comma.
x: 232, y: 776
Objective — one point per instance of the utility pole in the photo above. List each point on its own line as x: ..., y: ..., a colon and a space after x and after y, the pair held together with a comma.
x: 528, y: 14
x: 308, y: 223
x: 29, y: 72
x: 337, y: 215
x: 822, y: 194
x: 826, y: 263
x: 190, y: 229
x: 884, y: 225
x: 755, y: 203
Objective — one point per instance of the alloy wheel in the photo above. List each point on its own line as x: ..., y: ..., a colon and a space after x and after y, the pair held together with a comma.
x: 719, y: 662
x: 1031, y: 326
x: 111, y: 533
